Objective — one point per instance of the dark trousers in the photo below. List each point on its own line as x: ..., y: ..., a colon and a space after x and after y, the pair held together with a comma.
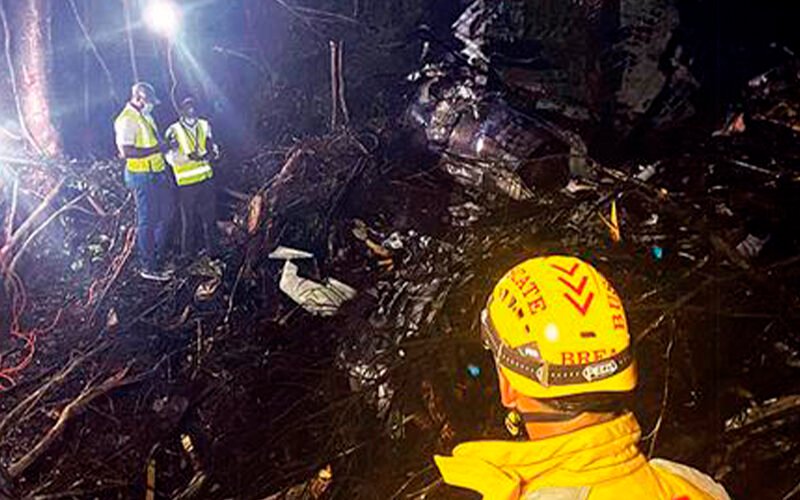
x: 199, y: 206
x: 155, y: 207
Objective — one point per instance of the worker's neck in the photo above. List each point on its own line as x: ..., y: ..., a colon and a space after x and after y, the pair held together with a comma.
x: 544, y: 430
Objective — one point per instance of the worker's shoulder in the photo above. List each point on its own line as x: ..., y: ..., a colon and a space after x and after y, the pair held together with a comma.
x: 699, y: 480
x: 126, y: 114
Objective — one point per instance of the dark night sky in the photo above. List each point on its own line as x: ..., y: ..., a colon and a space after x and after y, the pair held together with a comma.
x: 729, y: 42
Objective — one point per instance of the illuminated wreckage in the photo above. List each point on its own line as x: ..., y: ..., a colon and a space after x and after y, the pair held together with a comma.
x: 482, y: 139
x: 485, y: 142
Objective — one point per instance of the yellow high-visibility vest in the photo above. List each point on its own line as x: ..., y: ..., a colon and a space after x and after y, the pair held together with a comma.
x: 188, y: 172
x: 146, y: 137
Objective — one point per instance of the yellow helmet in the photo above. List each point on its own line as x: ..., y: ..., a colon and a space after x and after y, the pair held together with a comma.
x: 557, y: 328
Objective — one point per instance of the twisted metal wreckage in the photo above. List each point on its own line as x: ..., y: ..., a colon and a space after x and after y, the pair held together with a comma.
x: 217, y: 385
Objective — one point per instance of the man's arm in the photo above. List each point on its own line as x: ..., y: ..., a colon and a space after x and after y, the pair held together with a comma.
x: 134, y: 152
x: 212, y: 148
x: 125, y: 130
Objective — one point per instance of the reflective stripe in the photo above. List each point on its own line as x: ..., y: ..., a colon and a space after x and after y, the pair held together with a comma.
x: 197, y: 171
x: 559, y: 493
x: 152, y: 163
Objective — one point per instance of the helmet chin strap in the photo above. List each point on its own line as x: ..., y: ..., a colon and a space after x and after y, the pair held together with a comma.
x: 542, y: 417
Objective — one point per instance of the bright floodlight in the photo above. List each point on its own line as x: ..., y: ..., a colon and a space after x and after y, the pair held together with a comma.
x: 163, y: 17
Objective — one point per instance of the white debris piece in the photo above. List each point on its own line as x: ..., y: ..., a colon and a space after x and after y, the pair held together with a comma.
x: 374, y: 378
x: 751, y: 246
x: 645, y: 173
x: 321, y: 299
x: 286, y: 253
x: 465, y: 214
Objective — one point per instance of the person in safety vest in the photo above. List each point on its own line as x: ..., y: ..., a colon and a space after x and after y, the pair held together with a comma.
x: 140, y: 145
x: 559, y: 337
x: 192, y: 151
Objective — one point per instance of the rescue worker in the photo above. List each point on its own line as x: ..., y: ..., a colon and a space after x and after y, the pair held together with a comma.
x: 139, y: 144
x: 559, y: 337
x: 192, y: 151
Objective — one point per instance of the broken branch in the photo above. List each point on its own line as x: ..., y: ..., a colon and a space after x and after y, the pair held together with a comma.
x: 18, y: 412
x: 73, y: 408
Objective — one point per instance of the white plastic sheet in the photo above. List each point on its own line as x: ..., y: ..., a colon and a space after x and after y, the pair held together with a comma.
x: 319, y: 298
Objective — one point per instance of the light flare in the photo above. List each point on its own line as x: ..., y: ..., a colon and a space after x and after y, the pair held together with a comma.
x: 163, y: 17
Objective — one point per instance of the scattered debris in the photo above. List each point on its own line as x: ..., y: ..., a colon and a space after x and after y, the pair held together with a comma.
x: 613, y: 223
x: 322, y: 299
x: 751, y: 246
x: 466, y: 214
x: 235, y: 391
x: 311, y: 490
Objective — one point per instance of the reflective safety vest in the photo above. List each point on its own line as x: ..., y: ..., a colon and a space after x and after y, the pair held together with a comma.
x: 190, y: 140
x: 146, y: 137
x: 600, y: 462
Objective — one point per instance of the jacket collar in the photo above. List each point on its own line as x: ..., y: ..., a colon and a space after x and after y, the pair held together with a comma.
x: 501, y: 469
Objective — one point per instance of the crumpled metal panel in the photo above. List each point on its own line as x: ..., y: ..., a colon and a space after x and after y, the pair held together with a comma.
x: 648, y: 26
x: 585, y: 59
x: 484, y: 23
x: 484, y: 141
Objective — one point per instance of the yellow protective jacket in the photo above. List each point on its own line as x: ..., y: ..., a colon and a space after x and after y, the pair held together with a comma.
x: 601, y: 462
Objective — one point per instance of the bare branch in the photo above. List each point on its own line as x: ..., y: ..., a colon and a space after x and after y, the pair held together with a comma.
x: 18, y: 412
x: 94, y: 49
x: 73, y: 408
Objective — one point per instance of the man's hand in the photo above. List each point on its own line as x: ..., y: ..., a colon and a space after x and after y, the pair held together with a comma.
x: 213, y: 153
x: 134, y: 152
